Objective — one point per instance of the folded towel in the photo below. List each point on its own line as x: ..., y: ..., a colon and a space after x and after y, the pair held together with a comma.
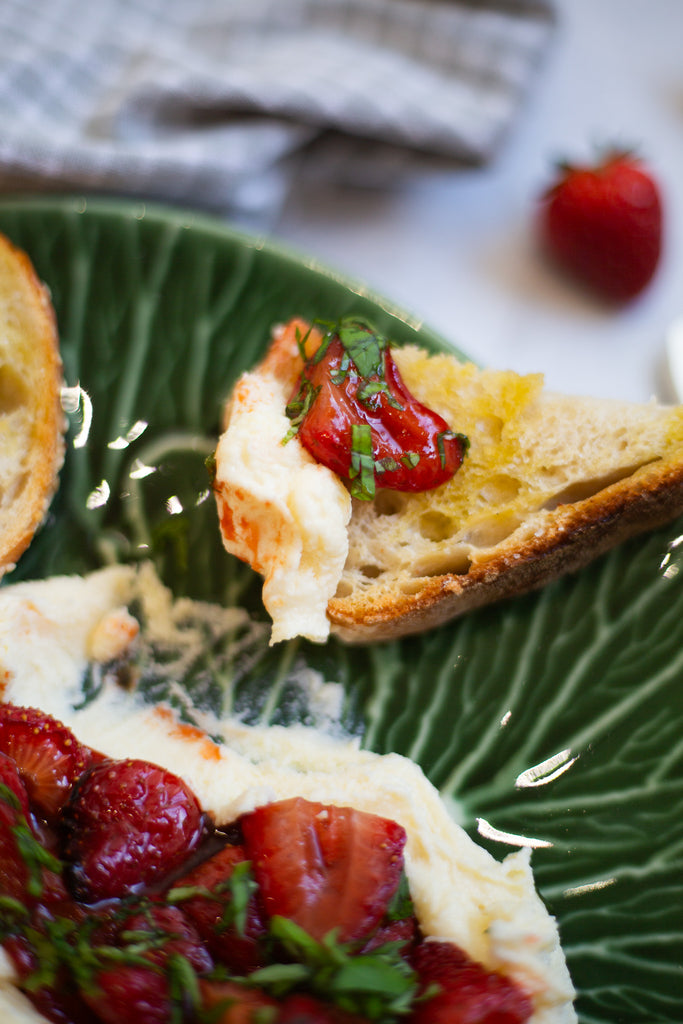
x: 204, y: 101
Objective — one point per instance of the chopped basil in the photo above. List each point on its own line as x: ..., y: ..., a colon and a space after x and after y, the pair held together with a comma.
x: 242, y: 887
x: 362, y: 471
x: 401, y: 906
x: 365, y: 346
x: 386, y: 465
x: 35, y: 856
x: 9, y: 797
x: 339, y: 376
x: 240, y: 884
x: 298, y: 408
x: 301, y: 340
x: 183, y: 987
x: 371, y: 389
x: 445, y: 435
x: 379, y: 985
x: 210, y: 463
x: 410, y: 459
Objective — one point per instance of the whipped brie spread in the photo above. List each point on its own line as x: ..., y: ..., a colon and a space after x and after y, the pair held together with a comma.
x: 279, y: 509
x: 53, y: 631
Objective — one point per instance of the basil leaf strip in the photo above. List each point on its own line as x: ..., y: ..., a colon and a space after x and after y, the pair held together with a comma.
x: 362, y: 471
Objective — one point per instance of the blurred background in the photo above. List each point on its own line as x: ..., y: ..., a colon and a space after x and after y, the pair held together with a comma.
x: 404, y: 143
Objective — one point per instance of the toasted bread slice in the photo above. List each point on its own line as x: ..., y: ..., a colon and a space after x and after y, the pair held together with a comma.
x: 549, y: 483
x: 31, y: 416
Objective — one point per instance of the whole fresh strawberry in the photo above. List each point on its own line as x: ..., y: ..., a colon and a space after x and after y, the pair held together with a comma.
x: 603, y: 224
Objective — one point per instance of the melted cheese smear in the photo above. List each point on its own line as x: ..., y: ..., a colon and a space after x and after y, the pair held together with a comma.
x: 50, y: 630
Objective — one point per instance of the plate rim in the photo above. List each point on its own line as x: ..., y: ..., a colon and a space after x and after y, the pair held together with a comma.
x: 212, y: 224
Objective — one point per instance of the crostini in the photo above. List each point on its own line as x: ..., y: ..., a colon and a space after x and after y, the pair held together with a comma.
x: 541, y: 484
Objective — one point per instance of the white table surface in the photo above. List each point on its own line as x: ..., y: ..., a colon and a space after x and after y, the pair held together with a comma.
x: 456, y: 247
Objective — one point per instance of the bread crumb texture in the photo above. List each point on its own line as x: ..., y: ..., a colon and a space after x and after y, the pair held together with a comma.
x: 530, y: 453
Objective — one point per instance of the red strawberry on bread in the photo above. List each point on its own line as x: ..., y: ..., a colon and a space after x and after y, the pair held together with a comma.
x: 353, y: 412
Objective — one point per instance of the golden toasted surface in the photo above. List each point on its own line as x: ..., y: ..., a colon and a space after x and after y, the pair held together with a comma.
x: 549, y: 483
x: 31, y: 417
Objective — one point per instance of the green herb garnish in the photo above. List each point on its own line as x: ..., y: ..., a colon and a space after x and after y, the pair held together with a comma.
x: 298, y: 408
x: 362, y: 471
x: 365, y: 346
x: 379, y: 985
x: 368, y: 393
x: 210, y: 463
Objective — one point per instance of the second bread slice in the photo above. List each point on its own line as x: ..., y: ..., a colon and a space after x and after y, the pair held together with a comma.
x: 31, y: 416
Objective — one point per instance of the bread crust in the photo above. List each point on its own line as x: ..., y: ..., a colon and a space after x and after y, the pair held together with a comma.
x: 572, y: 536
x: 30, y: 403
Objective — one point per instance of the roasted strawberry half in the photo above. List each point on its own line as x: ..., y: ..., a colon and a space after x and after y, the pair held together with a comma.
x: 324, y: 867
x: 149, y: 983
x: 302, y: 1009
x: 227, y: 1002
x: 47, y: 753
x: 13, y: 792
x: 127, y: 825
x: 240, y: 1005
x: 219, y: 897
x: 353, y: 412
x: 466, y: 993
x: 14, y: 867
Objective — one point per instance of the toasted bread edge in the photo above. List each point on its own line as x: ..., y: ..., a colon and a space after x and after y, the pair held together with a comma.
x: 578, y: 533
x: 46, y: 447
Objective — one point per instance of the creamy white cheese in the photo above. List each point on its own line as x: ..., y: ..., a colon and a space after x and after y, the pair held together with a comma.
x: 279, y: 509
x: 49, y: 630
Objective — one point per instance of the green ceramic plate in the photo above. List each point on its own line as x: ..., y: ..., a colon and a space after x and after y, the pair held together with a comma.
x: 556, y: 718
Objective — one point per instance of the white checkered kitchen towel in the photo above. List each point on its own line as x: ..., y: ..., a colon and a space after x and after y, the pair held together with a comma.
x: 208, y: 101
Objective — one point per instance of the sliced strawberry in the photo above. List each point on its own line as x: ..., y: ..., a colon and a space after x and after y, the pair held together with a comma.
x: 48, y: 755
x: 241, y: 1005
x: 14, y: 871
x: 60, y: 1006
x: 467, y: 992
x: 325, y: 867
x: 11, y: 780
x: 130, y: 993
x: 301, y: 1009
x: 405, y: 931
x: 226, y: 913
x: 148, y: 994
x: 360, y: 420
x: 238, y: 1005
x: 127, y: 825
